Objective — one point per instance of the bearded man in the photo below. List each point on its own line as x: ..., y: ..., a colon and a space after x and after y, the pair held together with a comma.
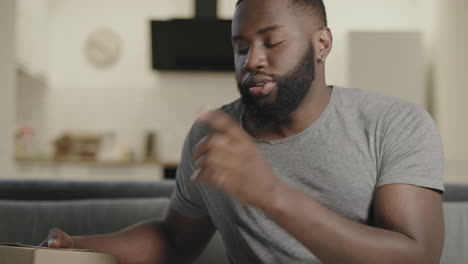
x: 296, y: 171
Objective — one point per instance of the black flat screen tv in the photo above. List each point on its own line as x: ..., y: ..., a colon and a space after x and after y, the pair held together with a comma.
x: 192, y: 45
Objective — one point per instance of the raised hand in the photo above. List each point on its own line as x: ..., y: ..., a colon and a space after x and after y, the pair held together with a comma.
x: 229, y: 159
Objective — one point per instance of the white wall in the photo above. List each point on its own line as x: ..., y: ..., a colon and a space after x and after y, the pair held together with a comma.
x: 451, y: 79
x: 7, y: 97
x: 129, y: 98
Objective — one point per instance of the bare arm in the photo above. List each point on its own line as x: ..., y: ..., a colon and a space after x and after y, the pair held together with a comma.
x: 409, y: 228
x: 177, y: 239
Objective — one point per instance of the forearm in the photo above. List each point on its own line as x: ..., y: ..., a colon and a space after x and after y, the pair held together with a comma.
x: 335, y: 239
x: 142, y: 243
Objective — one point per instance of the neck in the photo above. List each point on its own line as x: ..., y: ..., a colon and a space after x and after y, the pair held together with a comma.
x: 306, y: 114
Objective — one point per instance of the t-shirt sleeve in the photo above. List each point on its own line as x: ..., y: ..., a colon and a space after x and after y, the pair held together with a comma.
x: 411, y: 149
x: 187, y: 199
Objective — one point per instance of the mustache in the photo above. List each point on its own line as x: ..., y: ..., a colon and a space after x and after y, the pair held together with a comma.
x: 243, y: 78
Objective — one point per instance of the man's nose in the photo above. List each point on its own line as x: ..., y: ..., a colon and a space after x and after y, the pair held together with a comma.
x: 256, y: 60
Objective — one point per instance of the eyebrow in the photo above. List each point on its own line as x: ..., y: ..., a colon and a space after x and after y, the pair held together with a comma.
x: 260, y: 31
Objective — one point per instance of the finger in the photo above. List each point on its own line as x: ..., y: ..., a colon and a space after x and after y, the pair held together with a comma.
x: 44, y: 243
x: 212, y: 167
x: 50, y: 242
x: 200, y: 174
x: 217, y: 142
x: 200, y: 149
x: 54, y: 238
x: 220, y: 122
x: 211, y: 176
x: 195, y: 174
x: 216, y: 158
x: 199, y: 143
x: 53, y: 243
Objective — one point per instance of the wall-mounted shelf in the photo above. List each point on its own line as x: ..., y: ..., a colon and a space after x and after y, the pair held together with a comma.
x: 110, y: 163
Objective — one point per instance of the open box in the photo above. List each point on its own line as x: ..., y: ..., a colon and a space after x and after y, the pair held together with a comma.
x: 12, y: 253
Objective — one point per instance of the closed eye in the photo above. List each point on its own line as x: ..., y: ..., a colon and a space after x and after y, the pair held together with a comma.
x: 274, y: 44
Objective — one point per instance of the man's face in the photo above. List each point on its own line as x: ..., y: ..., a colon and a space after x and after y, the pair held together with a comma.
x: 290, y: 91
x: 274, y: 59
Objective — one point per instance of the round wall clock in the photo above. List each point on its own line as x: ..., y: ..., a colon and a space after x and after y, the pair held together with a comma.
x: 103, y: 48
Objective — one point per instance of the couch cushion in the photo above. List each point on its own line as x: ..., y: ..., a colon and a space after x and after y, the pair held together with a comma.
x: 456, y: 233
x: 28, y: 221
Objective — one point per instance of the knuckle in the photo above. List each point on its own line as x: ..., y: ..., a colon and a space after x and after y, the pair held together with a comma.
x: 218, y: 141
x: 208, y: 160
x: 222, y: 119
x: 55, y: 233
x: 211, y: 141
x: 221, y: 178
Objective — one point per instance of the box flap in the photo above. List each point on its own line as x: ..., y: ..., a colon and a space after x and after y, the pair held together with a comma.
x: 16, y: 244
x: 22, y: 254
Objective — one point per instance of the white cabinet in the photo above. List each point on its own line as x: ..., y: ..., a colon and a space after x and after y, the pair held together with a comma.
x: 32, y: 37
x: 7, y: 107
x: 391, y: 63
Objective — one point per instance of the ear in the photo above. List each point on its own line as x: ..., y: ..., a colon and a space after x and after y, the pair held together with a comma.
x: 323, y: 44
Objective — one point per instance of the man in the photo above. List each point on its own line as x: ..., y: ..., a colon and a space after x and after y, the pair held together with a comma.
x: 296, y: 171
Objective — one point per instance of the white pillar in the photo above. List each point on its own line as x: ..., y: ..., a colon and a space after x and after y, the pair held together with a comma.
x: 450, y: 38
x: 7, y: 86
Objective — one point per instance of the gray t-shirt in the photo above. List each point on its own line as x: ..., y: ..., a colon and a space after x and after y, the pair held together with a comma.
x: 361, y: 141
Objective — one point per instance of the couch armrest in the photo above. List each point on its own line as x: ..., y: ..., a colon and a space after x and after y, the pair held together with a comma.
x: 455, y: 192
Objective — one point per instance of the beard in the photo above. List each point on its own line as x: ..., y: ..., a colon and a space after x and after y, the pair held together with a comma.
x: 292, y: 88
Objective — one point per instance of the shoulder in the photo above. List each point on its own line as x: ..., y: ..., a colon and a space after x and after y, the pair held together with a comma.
x: 383, y: 110
x: 369, y: 100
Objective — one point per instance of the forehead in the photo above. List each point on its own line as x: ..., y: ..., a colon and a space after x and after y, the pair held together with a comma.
x: 252, y: 15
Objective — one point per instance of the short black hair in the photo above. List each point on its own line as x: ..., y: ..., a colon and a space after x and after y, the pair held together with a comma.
x: 315, y: 8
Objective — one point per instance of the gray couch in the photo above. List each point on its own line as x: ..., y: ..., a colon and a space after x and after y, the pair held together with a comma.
x: 28, y: 209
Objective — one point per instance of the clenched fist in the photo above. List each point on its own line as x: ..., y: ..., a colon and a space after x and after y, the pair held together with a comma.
x: 229, y: 159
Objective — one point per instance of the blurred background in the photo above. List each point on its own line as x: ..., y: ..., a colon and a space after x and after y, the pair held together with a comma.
x: 84, y: 96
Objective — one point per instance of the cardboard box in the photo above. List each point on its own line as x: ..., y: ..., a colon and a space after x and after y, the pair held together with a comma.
x: 21, y: 254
